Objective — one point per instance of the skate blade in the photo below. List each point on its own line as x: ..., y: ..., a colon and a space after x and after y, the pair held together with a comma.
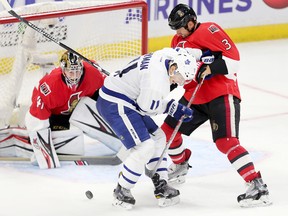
x: 120, y: 204
x: 250, y: 203
x: 177, y: 180
x: 165, y: 202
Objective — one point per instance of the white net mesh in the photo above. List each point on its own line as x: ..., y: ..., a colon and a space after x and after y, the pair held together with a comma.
x: 106, y: 35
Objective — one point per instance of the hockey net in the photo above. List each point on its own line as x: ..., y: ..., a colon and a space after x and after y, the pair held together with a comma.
x: 110, y: 32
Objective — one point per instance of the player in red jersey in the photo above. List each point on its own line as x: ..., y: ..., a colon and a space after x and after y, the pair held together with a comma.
x: 218, y: 100
x: 53, y: 103
x: 59, y: 92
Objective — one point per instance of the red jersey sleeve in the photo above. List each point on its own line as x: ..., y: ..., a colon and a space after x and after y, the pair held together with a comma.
x: 39, y: 108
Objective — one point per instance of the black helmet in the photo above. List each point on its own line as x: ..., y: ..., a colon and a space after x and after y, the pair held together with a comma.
x: 180, y: 16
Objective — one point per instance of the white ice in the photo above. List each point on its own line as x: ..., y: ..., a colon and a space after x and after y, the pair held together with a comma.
x: 212, y: 186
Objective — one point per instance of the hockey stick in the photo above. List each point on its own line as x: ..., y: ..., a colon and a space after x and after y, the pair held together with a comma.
x: 150, y: 173
x: 78, y: 160
x: 45, y: 34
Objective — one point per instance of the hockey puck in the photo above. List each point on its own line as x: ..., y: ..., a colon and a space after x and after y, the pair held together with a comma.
x: 89, y: 194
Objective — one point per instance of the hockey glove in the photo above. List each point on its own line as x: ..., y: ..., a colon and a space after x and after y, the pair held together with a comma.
x: 173, y: 86
x: 201, y: 67
x: 207, y: 57
x: 177, y: 110
x: 216, y: 65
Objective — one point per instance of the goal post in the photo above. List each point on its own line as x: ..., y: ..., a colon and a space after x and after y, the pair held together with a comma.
x: 110, y: 32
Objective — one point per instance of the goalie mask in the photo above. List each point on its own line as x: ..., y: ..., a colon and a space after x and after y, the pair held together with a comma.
x: 186, y: 66
x: 72, y: 68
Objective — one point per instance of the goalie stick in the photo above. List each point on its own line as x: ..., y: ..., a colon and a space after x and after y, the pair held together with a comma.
x: 7, y: 6
x: 150, y: 173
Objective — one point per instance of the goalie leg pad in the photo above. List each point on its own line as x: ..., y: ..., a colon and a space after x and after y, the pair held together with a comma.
x: 86, y: 117
x: 69, y: 142
x: 14, y: 142
x: 43, y: 148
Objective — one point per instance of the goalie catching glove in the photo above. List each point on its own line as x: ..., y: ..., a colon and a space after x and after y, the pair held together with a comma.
x: 177, y: 110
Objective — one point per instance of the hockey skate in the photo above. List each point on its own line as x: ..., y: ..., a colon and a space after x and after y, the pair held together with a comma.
x: 165, y: 194
x: 177, y: 172
x: 123, y: 198
x: 257, y: 194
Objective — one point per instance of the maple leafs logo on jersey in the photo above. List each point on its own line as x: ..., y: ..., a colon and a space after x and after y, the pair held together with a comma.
x: 72, y: 102
x: 187, y: 62
x: 45, y: 89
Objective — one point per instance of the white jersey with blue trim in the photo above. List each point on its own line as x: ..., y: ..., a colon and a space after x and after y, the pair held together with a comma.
x: 145, y: 81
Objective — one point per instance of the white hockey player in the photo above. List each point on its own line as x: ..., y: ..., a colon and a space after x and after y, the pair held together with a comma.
x: 53, y: 109
x: 127, y: 100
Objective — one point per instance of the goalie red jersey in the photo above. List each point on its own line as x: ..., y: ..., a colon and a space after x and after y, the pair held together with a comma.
x: 210, y: 36
x: 54, y: 96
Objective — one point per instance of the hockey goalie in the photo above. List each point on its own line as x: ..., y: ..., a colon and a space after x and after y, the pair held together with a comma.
x: 63, y: 109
